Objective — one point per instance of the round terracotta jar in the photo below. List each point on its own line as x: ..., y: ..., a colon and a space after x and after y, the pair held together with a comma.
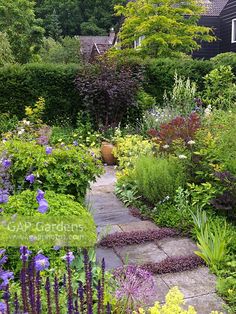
x: 107, y: 153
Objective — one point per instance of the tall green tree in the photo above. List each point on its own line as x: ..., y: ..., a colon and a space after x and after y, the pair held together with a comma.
x: 54, y: 28
x: 167, y: 27
x: 18, y: 21
x: 6, y: 55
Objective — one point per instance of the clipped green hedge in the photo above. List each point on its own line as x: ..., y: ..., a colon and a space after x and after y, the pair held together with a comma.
x: 21, y: 86
x: 159, y: 74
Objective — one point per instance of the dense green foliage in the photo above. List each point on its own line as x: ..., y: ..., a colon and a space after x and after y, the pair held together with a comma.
x: 22, y: 85
x: 66, y: 170
x: 6, y: 55
x: 63, y: 51
x: 17, y: 19
x: 25, y: 204
x: 159, y: 178
x: 74, y: 17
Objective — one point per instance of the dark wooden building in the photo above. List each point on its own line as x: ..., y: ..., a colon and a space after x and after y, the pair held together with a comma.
x: 221, y: 16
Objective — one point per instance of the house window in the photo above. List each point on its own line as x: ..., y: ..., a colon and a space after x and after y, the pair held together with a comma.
x: 137, y: 42
x: 233, y: 31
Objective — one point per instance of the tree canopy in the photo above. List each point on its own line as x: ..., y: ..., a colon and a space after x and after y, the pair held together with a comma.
x: 18, y: 21
x: 167, y: 27
x: 78, y: 17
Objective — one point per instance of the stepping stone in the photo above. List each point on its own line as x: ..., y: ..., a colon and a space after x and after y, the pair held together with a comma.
x: 113, y: 218
x: 111, y: 259
x: 206, y: 303
x: 161, y: 290
x: 139, y: 226
x: 106, y: 230
x: 141, y: 253
x: 177, y: 247
x: 192, y: 283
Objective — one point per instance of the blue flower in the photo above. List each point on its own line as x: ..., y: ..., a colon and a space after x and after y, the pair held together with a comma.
x: 3, y: 196
x: 69, y: 257
x: 25, y: 253
x: 30, y: 178
x: 43, y: 206
x: 3, y: 307
x: 41, y: 262
x: 75, y: 143
x: 5, y: 276
x: 56, y: 248
x: 40, y: 195
x: 6, y: 163
x: 48, y: 150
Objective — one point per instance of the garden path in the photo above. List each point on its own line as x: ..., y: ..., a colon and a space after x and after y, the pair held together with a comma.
x: 198, y: 285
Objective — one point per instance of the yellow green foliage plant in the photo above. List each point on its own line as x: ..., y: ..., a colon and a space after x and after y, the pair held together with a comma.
x: 174, y: 305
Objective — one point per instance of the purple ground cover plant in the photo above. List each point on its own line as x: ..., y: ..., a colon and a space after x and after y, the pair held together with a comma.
x: 136, y: 237
x: 174, y: 264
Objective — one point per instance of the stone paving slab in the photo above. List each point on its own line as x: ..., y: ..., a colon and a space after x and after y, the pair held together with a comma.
x: 204, y: 304
x: 141, y: 254
x: 161, y: 291
x: 139, y: 226
x: 104, y: 219
x: 112, y: 261
x: 106, y: 230
x: 192, y: 283
x: 177, y: 247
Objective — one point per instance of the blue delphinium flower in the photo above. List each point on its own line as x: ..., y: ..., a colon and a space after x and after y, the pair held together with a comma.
x: 30, y: 178
x: 48, y: 150
x: 6, y: 163
x: 41, y: 262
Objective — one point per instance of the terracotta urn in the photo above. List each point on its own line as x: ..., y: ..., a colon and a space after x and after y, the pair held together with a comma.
x: 107, y: 153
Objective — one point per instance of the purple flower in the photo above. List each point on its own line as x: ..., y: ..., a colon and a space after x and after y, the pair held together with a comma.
x: 75, y: 143
x: 41, y: 262
x: 25, y: 253
x: 3, y: 307
x: 134, y: 284
x: 6, y: 163
x: 30, y: 178
x: 40, y: 195
x: 5, y: 276
x: 69, y: 257
x: 3, y: 196
x: 43, y: 206
x: 48, y: 150
x: 56, y: 248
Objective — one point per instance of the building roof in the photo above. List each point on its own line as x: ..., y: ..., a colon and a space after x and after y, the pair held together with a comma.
x: 214, y: 7
x: 102, y: 44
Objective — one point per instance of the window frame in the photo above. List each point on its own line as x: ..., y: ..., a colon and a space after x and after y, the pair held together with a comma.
x: 233, y: 31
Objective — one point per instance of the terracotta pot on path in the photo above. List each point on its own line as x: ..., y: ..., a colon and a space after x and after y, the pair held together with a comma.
x: 107, y: 155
